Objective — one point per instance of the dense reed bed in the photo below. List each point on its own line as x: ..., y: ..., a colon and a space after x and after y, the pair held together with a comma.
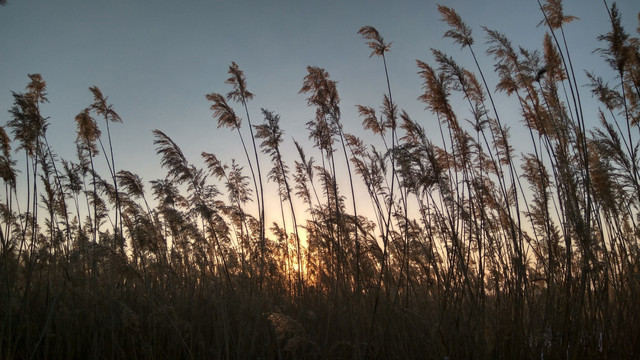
x: 473, y: 247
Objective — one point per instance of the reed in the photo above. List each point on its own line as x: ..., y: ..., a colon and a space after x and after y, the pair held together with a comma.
x: 476, y: 246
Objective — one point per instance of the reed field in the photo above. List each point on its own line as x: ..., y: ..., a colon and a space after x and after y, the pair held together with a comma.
x: 471, y: 245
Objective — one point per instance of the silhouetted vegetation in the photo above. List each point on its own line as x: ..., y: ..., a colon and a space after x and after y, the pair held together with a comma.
x: 477, y: 247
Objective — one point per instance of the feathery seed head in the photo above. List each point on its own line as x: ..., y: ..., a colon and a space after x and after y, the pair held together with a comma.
x: 88, y: 131
x: 370, y: 120
x: 459, y: 32
x: 7, y: 173
x: 270, y: 131
x: 553, y: 60
x: 376, y: 42
x: 214, y: 165
x: 223, y: 112
x: 172, y: 158
x: 37, y: 88
x: 554, y: 14
x: 5, y: 143
x: 239, y: 83
x: 323, y: 90
x: 102, y: 107
x: 618, y: 50
x: 131, y: 183
x: 436, y: 86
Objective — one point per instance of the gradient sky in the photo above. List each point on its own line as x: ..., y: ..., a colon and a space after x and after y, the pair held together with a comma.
x: 156, y: 60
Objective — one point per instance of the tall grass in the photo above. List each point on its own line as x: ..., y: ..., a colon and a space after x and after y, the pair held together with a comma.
x: 476, y: 247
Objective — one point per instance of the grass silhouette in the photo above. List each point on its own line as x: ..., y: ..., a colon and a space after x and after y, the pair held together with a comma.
x: 476, y: 247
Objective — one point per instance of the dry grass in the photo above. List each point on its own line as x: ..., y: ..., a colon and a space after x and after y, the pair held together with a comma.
x: 474, y: 250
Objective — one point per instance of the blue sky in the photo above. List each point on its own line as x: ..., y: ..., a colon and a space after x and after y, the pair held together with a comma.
x: 156, y: 60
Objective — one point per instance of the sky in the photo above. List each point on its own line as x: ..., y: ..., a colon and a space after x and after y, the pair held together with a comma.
x: 156, y: 60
